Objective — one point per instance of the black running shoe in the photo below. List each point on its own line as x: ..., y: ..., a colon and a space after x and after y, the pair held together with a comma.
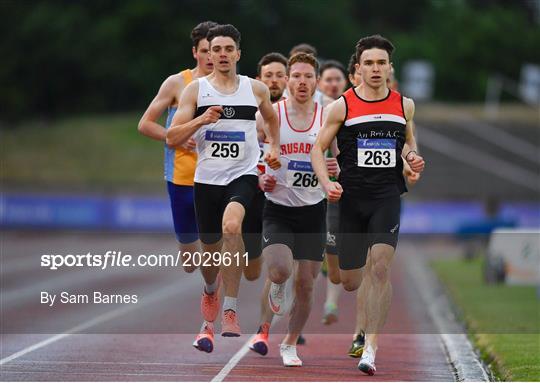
x: 357, y: 346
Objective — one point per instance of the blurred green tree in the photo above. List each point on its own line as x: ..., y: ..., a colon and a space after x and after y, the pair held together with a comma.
x: 69, y: 57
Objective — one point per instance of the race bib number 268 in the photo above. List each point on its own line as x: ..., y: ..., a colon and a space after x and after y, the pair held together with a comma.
x: 225, y: 145
x: 300, y: 175
x: 376, y: 153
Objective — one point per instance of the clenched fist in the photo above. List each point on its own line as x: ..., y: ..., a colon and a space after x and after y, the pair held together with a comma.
x: 333, y: 191
x: 267, y: 183
x: 211, y: 115
x: 272, y: 158
x: 415, y: 161
x: 189, y: 145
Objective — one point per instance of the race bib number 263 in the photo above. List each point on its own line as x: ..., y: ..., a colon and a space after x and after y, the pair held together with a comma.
x: 225, y: 145
x: 376, y: 153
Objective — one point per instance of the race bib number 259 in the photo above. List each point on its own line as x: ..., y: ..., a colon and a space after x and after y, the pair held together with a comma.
x: 376, y: 153
x: 225, y: 145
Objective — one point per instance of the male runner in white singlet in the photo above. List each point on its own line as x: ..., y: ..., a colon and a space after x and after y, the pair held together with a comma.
x: 294, y: 227
x: 219, y: 112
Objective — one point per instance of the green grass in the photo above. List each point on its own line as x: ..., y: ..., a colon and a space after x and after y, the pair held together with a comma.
x: 503, y: 321
x: 99, y: 152
x: 96, y: 152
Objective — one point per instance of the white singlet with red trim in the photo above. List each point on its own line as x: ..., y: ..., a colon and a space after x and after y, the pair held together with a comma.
x: 297, y: 184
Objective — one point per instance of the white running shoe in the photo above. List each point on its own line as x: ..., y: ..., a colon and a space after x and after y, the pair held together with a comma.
x: 289, y: 356
x: 367, y: 362
x: 276, y: 298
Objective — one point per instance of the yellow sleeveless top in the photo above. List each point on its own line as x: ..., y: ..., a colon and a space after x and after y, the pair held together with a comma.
x: 179, y: 163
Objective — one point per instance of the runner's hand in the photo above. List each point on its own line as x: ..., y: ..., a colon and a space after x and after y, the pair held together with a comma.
x: 415, y: 161
x: 412, y: 177
x: 267, y: 182
x: 189, y: 145
x: 211, y: 115
x: 333, y: 191
x: 272, y: 158
x: 332, y: 166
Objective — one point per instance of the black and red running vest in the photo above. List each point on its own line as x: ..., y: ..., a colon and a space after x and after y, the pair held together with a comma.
x: 370, y: 142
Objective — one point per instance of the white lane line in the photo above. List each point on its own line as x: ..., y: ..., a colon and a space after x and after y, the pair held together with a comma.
x: 134, y: 363
x: 158, y: 295
x: 93, y: 373
x: 473, y: 157
x: 233, y: 361
x: 236, y: 358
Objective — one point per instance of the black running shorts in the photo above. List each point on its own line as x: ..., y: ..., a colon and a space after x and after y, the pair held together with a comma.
x: 364, y: 223
x: 332, y: 227
x: 211, y: 201
x: 302, y: 229
x: 252, y: 226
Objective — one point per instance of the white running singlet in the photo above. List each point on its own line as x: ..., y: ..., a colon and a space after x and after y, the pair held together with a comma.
x: 227, y: 149
x: 297, y: 184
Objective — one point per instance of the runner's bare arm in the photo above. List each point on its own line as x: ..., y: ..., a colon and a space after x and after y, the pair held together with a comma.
x: 184, y: 125
x: 261, y: 130
x: 259, y: 121
x: 271, y: 125
x: 331, y: 161
x: 266, y: 181
x: 328, y: 132
x: 333, y: 146
x: 165, y: 97
x: 415, y: 161
x: 267, y: 112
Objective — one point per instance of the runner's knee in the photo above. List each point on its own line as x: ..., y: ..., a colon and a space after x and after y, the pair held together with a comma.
x: 232, y: 226
x: 350, y: 284
x: 380, y: 272
x: 334, y: 276
x: 279, y: 274
x: 189, y: 268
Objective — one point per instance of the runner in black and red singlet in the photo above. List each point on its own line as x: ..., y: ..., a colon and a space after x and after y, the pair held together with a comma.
x: 373, y: 125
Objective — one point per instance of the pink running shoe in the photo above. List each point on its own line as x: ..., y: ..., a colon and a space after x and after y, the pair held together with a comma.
x: 210, y: 303
x: 259, y: 344
x: 229, y: 324
x: 205, y: 339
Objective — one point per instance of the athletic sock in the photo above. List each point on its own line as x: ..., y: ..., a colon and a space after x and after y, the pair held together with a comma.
x: 330, y: 306
x: 204, y: 324
x: 211, y: 288
x: 229, y: 303
x: 332, y: 294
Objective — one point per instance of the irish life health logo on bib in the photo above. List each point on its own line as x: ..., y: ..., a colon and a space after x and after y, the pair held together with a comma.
x: 376, y: 153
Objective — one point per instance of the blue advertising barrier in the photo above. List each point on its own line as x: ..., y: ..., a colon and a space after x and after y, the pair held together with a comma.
x: 128, y: 213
